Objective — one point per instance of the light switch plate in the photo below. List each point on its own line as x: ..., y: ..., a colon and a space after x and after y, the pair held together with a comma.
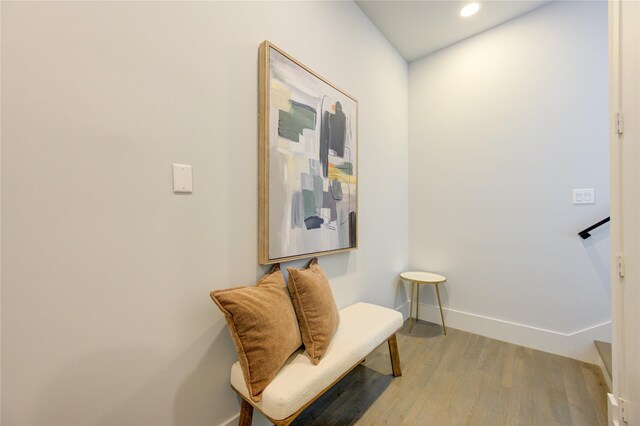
x: 584, y: 196
x: 182, y: 178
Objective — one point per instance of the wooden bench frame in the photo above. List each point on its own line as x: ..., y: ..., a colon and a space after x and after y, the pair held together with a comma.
x: 246, y: 409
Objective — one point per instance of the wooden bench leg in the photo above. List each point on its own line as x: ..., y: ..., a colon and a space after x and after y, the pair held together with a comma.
x: 246, y: 414
x: 395, y: 356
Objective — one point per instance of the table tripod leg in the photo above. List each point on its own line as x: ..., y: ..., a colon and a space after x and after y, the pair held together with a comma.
x: 444, y: 328
x: 417, y: 302
x: 411, y: 308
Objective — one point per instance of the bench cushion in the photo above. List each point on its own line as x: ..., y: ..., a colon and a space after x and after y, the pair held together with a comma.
x: 363, y: 327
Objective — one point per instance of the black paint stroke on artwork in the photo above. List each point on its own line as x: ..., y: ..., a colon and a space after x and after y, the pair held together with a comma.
x: 338, y: 130
x: 333, y: 129
x: 352, y: 229
x: 313, y: 222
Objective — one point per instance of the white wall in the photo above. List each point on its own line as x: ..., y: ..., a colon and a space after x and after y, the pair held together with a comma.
x: 106, y: 317
x: 502, y: 127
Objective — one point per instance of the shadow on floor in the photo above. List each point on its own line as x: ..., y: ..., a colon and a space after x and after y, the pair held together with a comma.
x: 421, y: 329
x: 337, y: 405
x: 347, y: 401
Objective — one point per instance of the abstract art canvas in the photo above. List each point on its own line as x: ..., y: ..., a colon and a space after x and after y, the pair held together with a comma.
x: 308, y: 197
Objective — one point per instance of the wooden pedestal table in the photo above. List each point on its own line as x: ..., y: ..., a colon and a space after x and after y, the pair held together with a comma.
x: 416, y: 278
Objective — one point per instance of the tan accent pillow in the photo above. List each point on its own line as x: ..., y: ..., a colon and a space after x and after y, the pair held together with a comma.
x: 315, y: 307
x: 263, y: 326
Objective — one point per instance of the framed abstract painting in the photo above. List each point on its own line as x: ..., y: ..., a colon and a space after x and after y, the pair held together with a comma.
x: 308, y: 168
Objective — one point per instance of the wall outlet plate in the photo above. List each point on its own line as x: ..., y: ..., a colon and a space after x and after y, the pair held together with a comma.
x: 584, y: 196
x: 182, y: 178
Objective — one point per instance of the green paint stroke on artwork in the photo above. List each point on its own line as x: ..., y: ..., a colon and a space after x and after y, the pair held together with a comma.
x: 317, y: 190
x: 309, y: 201
x: 291, y: 123
x: 346, y: 168
x: 336, y: 190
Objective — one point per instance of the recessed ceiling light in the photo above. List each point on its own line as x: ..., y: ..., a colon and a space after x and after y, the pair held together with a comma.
x: 469, y: 9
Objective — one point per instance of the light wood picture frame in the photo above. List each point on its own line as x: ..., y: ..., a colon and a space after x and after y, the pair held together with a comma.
x: 308, y: 162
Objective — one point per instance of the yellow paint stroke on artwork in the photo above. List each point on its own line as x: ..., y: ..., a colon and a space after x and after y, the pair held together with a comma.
x: 282, y: 143
x: 280, y: 96
x: 335, y: 173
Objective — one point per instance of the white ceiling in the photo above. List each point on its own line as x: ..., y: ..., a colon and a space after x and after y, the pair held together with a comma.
x: 417, y: 28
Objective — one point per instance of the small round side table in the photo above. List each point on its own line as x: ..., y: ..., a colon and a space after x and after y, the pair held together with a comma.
x: 416, y: 278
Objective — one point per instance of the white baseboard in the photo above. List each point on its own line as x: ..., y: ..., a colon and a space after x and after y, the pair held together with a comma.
x: 578, y: 345
x: 233, y: 420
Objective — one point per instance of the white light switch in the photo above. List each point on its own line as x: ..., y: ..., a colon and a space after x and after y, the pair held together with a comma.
x: 182, y: 178
x: 584, y: 196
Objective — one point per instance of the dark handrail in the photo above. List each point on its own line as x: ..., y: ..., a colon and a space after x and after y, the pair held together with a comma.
x: 585, y: 233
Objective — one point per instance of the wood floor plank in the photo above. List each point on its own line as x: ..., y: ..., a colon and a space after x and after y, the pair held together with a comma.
x: 463, y: 379
x: 581, y: 407
x: 595, y: 382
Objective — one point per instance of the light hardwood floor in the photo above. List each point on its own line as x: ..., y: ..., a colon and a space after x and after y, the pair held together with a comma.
x: 463, y: 379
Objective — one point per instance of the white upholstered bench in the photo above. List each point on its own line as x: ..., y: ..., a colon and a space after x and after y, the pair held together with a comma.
x: 363, y: 327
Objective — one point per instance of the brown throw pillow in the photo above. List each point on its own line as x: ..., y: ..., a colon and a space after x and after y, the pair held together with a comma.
x: 263, y: 326
x: 315, y: 307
